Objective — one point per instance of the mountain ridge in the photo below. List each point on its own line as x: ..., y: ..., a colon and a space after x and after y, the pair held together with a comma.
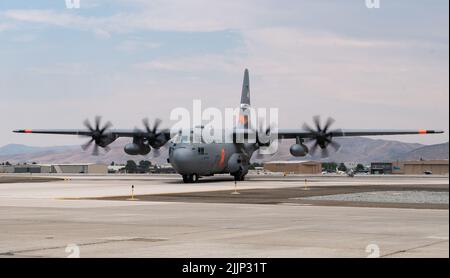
x: 355, y: 149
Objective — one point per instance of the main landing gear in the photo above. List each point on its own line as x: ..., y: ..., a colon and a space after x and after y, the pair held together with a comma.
x: 192, y: 178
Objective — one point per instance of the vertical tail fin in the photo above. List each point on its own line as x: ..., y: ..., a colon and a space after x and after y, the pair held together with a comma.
x: 245, y: 97
x: 245, y: 102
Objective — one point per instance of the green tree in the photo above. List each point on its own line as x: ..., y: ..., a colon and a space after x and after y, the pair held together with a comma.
x: 342, y: 167
x: 329, y: 166
x: 144, y: 166
x: 359, y: 167
x: 131, y: 167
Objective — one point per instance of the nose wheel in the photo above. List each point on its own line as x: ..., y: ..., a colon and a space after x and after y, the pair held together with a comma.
x: 192, y: 178
x: 239, y: 177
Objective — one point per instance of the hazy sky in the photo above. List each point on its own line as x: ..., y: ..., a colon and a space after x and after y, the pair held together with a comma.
x: 126, y: 60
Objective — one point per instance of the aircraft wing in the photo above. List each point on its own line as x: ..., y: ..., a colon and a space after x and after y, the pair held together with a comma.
x: 86, y: 132
x: 304, y: 133
x: 282, y: 133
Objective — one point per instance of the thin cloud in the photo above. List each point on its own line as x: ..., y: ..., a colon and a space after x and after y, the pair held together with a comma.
x: 133, y: 45
x: 6, y: 27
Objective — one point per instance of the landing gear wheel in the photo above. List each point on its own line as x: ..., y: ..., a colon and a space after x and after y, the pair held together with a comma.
x: 190, y: 178
x: 239, y: 177
x: 186, y: 179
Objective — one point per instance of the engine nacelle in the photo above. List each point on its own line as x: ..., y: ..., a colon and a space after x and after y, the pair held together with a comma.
x: 136, y: 149
x: 105, y: 141
x: 299, y: 150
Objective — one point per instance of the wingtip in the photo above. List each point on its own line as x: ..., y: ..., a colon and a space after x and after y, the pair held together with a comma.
x: 23, y: 131
x: 434, y: 132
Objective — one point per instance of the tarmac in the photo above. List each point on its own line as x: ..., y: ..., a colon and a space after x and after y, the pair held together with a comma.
x: 273, y: 216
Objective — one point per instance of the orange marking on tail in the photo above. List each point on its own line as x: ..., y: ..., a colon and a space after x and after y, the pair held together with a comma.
x: 422, y: 131
x: 242, y: 119
x: 28, y: 131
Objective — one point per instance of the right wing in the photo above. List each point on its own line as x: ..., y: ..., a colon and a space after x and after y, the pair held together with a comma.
x: 85, y: 132
x: 304, y: 133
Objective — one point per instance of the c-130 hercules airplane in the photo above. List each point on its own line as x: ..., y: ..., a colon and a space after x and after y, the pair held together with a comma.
x: 193, y: 160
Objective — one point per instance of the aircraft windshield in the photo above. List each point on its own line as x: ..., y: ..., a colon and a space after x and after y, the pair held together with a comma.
x: 187, y: 139
x: 183, y: 139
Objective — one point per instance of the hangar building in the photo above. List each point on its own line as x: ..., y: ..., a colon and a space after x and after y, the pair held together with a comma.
x: 435, y: 167
x: 83, y: 168
x: 419, y: 167
x: 295, y: 167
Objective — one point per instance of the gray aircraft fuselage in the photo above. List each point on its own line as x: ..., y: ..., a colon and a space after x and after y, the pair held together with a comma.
x: 202, y: 159
x: 207, y: 159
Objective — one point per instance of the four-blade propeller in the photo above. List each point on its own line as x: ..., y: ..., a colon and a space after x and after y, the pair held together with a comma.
x: 98, y: 135
x: 155, y: 138
x: 322, y: 136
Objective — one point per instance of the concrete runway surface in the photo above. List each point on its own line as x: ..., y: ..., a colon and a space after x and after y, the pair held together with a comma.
x: 92, y: 216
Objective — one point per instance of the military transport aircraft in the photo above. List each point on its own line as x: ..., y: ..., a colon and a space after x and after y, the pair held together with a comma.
x: 193, y: 160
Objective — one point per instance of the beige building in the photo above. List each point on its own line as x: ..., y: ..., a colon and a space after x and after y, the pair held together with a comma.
x: 6, y: 169
x: 79, y: 168
x: 420, y: 167
x: 82, y: 168
x: 295, y: 167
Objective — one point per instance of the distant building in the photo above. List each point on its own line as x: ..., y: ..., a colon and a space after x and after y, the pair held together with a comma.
x: 419, y: 167
x: 380, y: 168
x: 6, y: 169
x: 32, y: 168
x: 82, y: 168
x: 295, y: 167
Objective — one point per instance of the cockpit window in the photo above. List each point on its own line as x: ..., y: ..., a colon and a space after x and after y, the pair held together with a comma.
x: 188, y: 139
x: 180, y: 139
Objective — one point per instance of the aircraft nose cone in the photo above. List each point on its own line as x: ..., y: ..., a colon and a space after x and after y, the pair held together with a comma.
x: 181, y: 160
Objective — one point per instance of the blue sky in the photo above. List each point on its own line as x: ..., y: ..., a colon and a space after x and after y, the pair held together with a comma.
x: 126, y: 60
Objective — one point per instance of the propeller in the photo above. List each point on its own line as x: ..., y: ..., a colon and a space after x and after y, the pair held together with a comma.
x: 98, y: 135
x: 156, y: 139
x: 322, y: 136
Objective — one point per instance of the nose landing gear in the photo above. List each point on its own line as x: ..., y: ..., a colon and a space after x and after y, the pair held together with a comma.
x: 239, y: 177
